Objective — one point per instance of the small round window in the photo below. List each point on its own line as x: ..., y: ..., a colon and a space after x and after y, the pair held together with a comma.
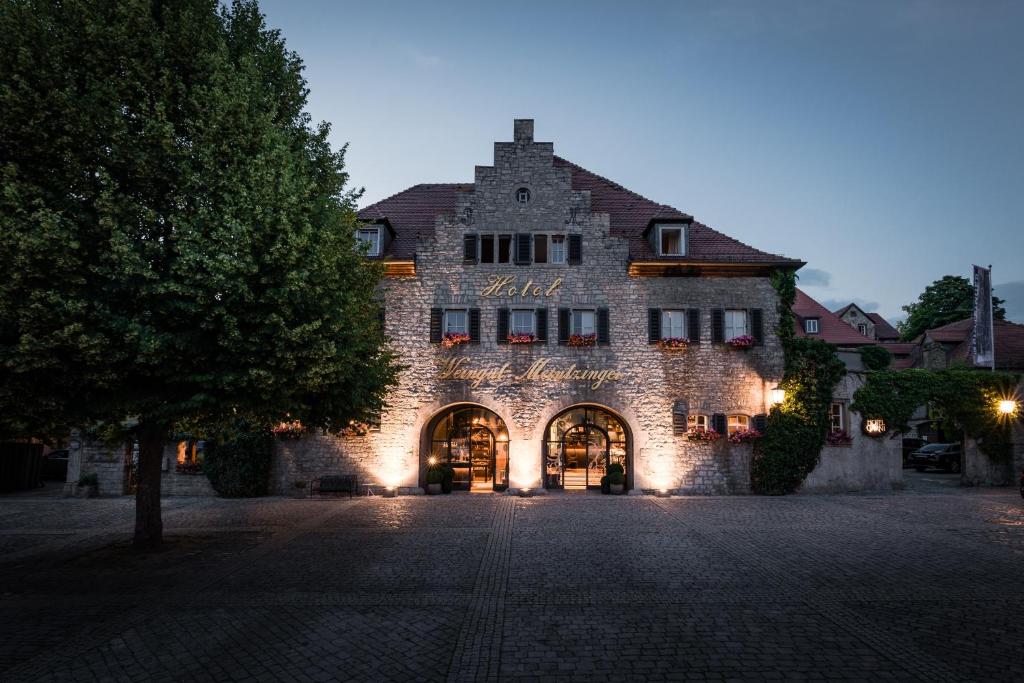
x: 523, y: 195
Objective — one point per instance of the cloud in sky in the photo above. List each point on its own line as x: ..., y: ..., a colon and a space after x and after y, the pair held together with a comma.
x: 1013, y: 292
x: 813, y: 277
x: 836, y: 304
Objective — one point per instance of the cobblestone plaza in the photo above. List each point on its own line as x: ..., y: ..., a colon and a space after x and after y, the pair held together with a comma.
x: 921, y: 585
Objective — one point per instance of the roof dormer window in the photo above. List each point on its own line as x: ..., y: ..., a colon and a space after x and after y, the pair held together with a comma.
x: 671, y: 239
x: 370, y: 237
x: 811, y: 326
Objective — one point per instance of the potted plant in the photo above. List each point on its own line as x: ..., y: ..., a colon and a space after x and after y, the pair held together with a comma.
x: 448, y: 477
x: 435, y: 479
x: 88, y: 485
x: 299, y: 489
x: 616, y: 475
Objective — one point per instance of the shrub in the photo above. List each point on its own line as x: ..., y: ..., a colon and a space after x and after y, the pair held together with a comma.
x: 435, y: 476
x: 616, y: 478
x: 605, y: 487
x: 90, y: 479
x: 238, y: 465
x: 875, y: 357
x: 615, y: 467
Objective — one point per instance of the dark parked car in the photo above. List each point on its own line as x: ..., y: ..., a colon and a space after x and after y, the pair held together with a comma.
x: 911, y: 444
x: 943, y: 456
x: 55, y: 465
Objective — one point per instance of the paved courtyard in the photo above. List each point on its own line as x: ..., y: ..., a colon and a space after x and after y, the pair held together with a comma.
x: 925, y: 584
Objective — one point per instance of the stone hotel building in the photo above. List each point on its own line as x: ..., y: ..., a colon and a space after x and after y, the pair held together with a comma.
x: 552, y: 322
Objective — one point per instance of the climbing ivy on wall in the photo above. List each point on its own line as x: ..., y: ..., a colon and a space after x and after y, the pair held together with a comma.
x: 796, y: 427
x: 963, y: 397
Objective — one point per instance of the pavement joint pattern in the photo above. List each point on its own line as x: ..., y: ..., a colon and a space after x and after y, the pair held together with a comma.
x: 903, y: 586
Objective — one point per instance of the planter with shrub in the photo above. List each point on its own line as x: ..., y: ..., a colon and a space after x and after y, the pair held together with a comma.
x: 88, y: 486
x: 614, y: 479
x: 435, y: 480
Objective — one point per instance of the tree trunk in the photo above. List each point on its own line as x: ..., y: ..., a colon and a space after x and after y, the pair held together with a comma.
x: 149, y: 527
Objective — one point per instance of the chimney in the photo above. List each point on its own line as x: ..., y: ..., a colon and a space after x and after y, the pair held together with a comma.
x: 523, y: 131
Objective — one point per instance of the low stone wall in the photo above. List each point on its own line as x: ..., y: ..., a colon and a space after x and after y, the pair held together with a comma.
x: 322, y: 455
x: 174, y: 484
x: 105, y: 462
x: 864, y: 466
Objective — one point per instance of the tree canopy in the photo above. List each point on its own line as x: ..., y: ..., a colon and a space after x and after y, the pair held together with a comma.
x: 942, y: 302
x: 179, y: 238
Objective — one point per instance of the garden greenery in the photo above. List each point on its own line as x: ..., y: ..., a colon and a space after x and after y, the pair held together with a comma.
x: 875, y: 357
x: 963, y: 398
x: 796, y: 427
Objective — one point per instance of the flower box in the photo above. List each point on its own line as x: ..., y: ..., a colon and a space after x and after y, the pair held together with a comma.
x: 521, y: 338
x: 698, y: 434
x: 582, y: 340
x: 453, y: 339
x: 673, y: 343
x: 744, y: 341
x: 838, y: 438
x: 744, y: 436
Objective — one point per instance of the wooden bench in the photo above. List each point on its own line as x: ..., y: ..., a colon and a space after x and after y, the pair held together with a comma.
x: 338, y: 483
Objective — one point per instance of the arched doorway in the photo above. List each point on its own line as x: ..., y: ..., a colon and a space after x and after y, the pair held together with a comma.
x: 580, y: 443
x: 474, y: 441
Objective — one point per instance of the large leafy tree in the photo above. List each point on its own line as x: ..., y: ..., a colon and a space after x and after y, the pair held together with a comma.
x: 178, y: 239
x: 942, y: 302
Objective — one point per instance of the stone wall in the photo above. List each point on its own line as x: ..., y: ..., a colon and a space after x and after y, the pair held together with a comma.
x: 868, y: 464
x: 712, y: 378
x: 105, y: 461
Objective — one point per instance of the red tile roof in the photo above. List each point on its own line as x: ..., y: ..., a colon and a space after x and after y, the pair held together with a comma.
x: 831, y: 328
x: 412, y: 213
x: 1009, y: 342
x: 883, y: 330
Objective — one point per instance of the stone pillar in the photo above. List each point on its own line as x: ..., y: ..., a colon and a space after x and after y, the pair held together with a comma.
x: 523, y: 131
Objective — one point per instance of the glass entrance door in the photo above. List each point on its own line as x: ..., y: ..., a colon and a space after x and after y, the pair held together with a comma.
x: 472, y: 441
x: 580, y: 444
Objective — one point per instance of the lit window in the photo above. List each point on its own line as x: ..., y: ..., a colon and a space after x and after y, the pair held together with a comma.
x: 523, y: 195
x: 698, y: 422
x: 673, y: 325
x: 811, y: 326
x: 455, y: 322
x: 370, y: 237
x: 735, y: 324
x: 583, y: 322
x: 671, y: 240
x: 558, y: 248
x: 836, y: 417
x: 738, y: 422
x: 522, y: 322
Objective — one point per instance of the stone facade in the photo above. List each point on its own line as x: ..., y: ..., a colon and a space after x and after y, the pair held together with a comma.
x: 710, y: 377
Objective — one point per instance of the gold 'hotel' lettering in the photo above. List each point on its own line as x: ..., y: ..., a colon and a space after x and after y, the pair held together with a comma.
x: 505, y: 285
x: 539, y: 371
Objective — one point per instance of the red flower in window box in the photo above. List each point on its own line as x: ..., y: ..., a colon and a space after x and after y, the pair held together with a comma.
x: 703, y: 434
x: 521, y: 338
x: 745, y: 436
x: 744, y: 341
x: 673, y: 343
x: 582, y: 340
x: 288, y: 430
x: 454, y: 339
x: 838, y: 437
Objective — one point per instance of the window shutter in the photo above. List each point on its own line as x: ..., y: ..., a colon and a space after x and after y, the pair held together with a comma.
x: 474, y: 325
x: 680, y: 415
x: 653, y: 325
x: 575, y: 250
x: 564, y: 320
x: 693, y: 325
x: 523, y: 248
x: 761, y: 423
x: 540, y: 317
x: 757, y: 325
x: 719, y: 424
x: 503, y: 326
x: 603, y: 331
x: 540, y: 248
x: 718, y: 325
x: 469, y: 249
x: 436, y: 315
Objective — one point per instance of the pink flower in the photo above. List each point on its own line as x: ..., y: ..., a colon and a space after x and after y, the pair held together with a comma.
x: 744, y: 341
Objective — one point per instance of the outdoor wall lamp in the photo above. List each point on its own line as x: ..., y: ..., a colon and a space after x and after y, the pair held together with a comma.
x: 778, y: 395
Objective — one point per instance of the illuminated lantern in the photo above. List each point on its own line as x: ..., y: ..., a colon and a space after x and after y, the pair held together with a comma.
x: 778, y: 395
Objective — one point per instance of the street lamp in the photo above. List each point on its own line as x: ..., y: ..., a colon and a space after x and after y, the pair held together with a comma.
x: 1007, y: 407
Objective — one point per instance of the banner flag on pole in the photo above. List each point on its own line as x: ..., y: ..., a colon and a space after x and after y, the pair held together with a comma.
x: 983, y: 342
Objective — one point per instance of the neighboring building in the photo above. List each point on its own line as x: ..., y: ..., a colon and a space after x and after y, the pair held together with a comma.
x: 950, y: 344
x: 871, y: 325
x: 863, y: 462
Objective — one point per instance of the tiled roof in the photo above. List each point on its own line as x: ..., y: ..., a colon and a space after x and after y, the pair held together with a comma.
x: 900, y: 348
x: 412, y: 213
x: 883, y: 330
x: 1009, y: 342
x: 830, y: 327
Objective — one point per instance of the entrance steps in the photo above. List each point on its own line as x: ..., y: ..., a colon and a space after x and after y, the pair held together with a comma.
x: 574, y: 479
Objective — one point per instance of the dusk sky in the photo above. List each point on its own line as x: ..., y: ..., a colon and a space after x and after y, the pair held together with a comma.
x: 883, y: 143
